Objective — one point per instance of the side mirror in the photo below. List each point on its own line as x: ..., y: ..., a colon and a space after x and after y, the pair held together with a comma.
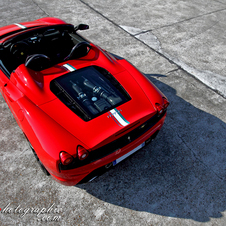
x: 81, y: 27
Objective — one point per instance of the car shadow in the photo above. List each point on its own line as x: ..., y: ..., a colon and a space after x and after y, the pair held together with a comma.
x: 180, y: 174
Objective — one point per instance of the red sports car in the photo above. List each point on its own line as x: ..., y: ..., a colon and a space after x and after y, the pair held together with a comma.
x: 82, y: 109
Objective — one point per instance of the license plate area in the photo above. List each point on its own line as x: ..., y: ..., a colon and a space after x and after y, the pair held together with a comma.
x: 115, y: 162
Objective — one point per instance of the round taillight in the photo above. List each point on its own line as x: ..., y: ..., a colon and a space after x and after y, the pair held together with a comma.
x: 165, y: 103
x: 65, y: 158
x: 82, y: 153
x: 159, y: 108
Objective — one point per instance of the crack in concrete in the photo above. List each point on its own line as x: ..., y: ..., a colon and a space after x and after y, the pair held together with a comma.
x: 220, y: 2
x: 195, y: 156
x: 35, y: 3
x: 173, y: 70
x: 99, y: 13
x: 200, y: 33
x: 188, y: 19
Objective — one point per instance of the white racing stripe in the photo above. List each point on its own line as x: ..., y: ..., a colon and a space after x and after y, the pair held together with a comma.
x: 21, y: 26
x: 69, y: 67
x: 118, y: 117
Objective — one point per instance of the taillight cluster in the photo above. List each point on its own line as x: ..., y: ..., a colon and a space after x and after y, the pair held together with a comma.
x: 162, y: 107
x: 82, y: 153
x: 66, y: 158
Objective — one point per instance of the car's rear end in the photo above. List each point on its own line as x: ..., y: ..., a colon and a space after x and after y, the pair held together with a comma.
x: 112, y: 127
x: 101, y: 159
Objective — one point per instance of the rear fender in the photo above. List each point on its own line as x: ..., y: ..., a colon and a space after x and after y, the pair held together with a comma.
x: 46, y: 136
x: 151, y: 91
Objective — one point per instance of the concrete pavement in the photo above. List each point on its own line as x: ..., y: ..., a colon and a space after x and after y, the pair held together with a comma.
x: 179, y: 179
x: 192, y: 35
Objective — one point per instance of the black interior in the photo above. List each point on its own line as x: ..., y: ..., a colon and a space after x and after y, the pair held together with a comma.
x: 38, y: 62
x: 54, y: 42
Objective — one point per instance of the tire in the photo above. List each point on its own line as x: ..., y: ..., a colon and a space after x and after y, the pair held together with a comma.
x: 39, y: 162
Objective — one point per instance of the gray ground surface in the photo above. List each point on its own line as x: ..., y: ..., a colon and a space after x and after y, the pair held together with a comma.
x: 179, y: 179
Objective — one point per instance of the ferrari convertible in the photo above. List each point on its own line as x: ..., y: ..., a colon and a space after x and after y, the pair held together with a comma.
x: 82, y: 109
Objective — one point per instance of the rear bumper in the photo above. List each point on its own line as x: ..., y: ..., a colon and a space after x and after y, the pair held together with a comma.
x: 85, y: 173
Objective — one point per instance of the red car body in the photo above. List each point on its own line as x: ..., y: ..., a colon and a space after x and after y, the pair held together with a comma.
x: 74, y: 147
